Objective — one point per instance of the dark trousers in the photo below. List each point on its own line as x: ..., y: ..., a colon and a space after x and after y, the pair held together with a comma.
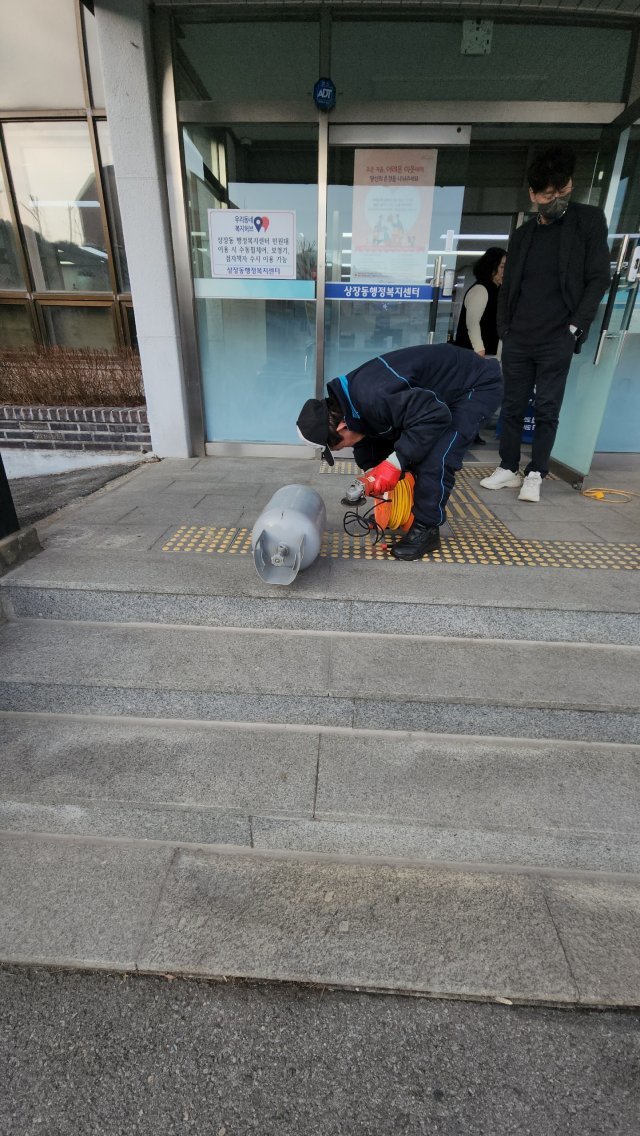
x: 544, y: 365
x: 435, y: 474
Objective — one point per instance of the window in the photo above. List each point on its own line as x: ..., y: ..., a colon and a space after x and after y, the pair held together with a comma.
x: 80, y: 327
x: 96, y: 81
x: 111, y: 196
x: 16, y: 328
x: 39, y: 58
x: 63, y: 266
x: 10, y: 274
x: 58, y: 200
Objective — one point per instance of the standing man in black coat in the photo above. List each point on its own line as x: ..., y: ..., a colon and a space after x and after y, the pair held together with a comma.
x: 418, y: 408
x: 557, y: 272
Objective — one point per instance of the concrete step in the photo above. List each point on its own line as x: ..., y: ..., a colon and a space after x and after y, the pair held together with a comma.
x: 112, y: 582
x: 356, y: 781
x: 415, y: 797
x: 159, y: 907
x: 441, y: 685
x: 287, y: 610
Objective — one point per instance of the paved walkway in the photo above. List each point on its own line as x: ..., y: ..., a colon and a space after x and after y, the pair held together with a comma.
x: 107, y: 1055
x: 38, y: 497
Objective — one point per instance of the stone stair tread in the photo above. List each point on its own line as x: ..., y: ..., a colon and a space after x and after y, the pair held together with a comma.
x: 150, y: 571
x: 329, y: 773
x: 232, y: 767
x: 472, y: 719
x: 387, y: 667
x: 517, y: 850
x: 159, y: 907
x: 288, y: 611
x: 124, y: 820
x: 413, y: 796
x: 366, y: 840
x: 402, y: 777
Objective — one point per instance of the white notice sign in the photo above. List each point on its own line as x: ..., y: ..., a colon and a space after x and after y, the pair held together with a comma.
x: 258, y: 245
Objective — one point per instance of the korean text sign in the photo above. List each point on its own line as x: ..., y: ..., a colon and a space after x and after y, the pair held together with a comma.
x: 258, y: 245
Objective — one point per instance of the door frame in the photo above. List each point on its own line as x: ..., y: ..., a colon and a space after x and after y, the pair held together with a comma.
x: 401, y: 123
x: 563, y: 462
x: 370, y: 135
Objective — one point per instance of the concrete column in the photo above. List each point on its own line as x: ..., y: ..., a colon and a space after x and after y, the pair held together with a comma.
x: 132, y: 113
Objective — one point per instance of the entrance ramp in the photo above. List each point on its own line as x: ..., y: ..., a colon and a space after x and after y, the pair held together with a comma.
x: 418, y: 777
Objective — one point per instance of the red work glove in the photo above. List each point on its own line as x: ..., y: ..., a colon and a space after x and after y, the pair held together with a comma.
x: 381, y: 478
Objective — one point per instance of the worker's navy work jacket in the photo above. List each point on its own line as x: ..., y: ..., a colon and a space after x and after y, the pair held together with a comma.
x: 407, y: 396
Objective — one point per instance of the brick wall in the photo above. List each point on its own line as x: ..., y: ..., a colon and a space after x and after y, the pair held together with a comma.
x: 75, y: 428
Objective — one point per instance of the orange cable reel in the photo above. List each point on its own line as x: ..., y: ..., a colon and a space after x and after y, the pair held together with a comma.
x: 394, y: 510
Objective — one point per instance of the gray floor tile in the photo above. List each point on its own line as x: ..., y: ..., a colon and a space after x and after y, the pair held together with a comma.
x: 144, y: 822
x: 599, y: 924
x: 174, y: 573
x: 504, y: 511
x: 222, y: 767
x: 473, y: 783
x: 530, y: 848
x: 484, y: 671
x: 105, y: 537
x: 614, y: 531
x: 157, y: 658
x: 423, y: 929
x: 553, y: 531
x: 70, y: 902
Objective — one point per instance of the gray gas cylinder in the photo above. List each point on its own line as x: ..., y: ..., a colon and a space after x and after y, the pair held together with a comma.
x: 286, y: 537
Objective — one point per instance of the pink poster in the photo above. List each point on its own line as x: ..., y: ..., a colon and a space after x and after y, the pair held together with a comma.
x: 391, y: 222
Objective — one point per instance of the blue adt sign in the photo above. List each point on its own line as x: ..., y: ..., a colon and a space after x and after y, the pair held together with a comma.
x: 324, y: 94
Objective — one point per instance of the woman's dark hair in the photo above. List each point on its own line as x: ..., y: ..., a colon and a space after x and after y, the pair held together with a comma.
x: 336, y: 415
x: 484, y: 268
x: 553, y: 167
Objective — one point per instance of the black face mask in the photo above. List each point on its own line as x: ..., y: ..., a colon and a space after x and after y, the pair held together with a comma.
x: 555, y: 209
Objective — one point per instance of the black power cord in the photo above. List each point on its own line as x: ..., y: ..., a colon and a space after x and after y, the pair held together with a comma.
x: 359, y: 525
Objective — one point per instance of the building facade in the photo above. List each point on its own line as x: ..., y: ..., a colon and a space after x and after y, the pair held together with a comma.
x: 168, y: 180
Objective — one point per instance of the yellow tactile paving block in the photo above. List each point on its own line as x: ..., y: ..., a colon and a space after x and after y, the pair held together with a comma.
x: 477, y: 536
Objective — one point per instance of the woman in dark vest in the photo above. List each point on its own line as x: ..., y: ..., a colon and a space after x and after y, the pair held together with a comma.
x: 477, y: 328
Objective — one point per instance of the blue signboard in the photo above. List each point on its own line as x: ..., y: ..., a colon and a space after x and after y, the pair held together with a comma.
x: 378, y: 292
x: 324, y: 94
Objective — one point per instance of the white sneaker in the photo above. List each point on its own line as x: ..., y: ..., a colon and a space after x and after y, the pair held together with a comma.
x: 531, y: 487
x: 501, y: 479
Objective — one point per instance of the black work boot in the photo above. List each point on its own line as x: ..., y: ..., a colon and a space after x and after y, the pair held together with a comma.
x: 419, y: 539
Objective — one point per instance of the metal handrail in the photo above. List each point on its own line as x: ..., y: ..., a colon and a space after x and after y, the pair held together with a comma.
x: 611, y: 299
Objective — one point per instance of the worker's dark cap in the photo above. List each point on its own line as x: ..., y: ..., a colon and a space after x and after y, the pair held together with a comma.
x: 313, y: 426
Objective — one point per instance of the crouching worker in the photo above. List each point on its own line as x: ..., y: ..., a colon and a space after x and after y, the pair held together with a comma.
x: 416, y: 409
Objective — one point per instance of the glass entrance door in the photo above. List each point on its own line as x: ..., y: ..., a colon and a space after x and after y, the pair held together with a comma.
x: 619, y: 429
x: 252, y: 208
x: 591, y: 378
x: 601, y: 407
x: 392, y: 240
